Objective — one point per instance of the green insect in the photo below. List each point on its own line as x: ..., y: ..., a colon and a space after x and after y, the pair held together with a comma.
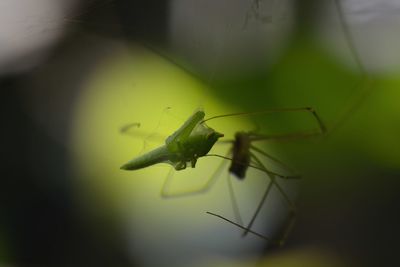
x: 194, y: 139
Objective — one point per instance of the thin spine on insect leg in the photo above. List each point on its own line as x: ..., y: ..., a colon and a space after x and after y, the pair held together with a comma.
x: 165, y: 193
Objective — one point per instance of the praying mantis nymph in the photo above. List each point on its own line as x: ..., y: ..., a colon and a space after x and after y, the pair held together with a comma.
x: 192, y: 140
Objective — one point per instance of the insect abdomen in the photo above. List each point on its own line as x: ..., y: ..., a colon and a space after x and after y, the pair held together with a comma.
x: 155, y: 156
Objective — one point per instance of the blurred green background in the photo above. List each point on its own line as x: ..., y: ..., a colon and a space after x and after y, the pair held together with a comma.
x: 64, y: 200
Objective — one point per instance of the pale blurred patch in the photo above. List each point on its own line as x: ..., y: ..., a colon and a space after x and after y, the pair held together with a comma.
x: 28, y: 29
x: 230, y: 37
x: 374, y: 26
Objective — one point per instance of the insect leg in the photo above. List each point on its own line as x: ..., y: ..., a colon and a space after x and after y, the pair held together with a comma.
x: 292, y: 207
x: 258, y: 167
x: 235, y: 205
x: 248, y: 227
x: 367, y: 82
x: 165, y: 191
x: 285, y: 137
x: 260, y: 204
x: 310, y: 110
x: 276, y: 160
x: 241, y: 226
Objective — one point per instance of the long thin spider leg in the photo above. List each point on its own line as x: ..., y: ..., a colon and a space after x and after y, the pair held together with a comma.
x: 367, y: 83
x: 234, y: 203
x: 320, y: 123
x: 260, y: 204
x: 242, y: 227
x: 271, y: 175
x: 284, y: 137
x: 292, y: 207
x: 165, y: 193
x: 289, y: 226
x: 274, y: 159
x: 255, y: 167
x: 348, y: 36
x: 278, y: 186
x: 233, y: 199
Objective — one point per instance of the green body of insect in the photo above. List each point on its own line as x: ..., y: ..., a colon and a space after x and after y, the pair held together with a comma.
x: 192, y: 140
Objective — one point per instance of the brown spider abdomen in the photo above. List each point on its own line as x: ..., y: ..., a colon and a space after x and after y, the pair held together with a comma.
x: 241, y: 155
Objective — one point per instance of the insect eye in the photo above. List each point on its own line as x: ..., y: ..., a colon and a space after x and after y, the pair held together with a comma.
x: 212, y: 135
